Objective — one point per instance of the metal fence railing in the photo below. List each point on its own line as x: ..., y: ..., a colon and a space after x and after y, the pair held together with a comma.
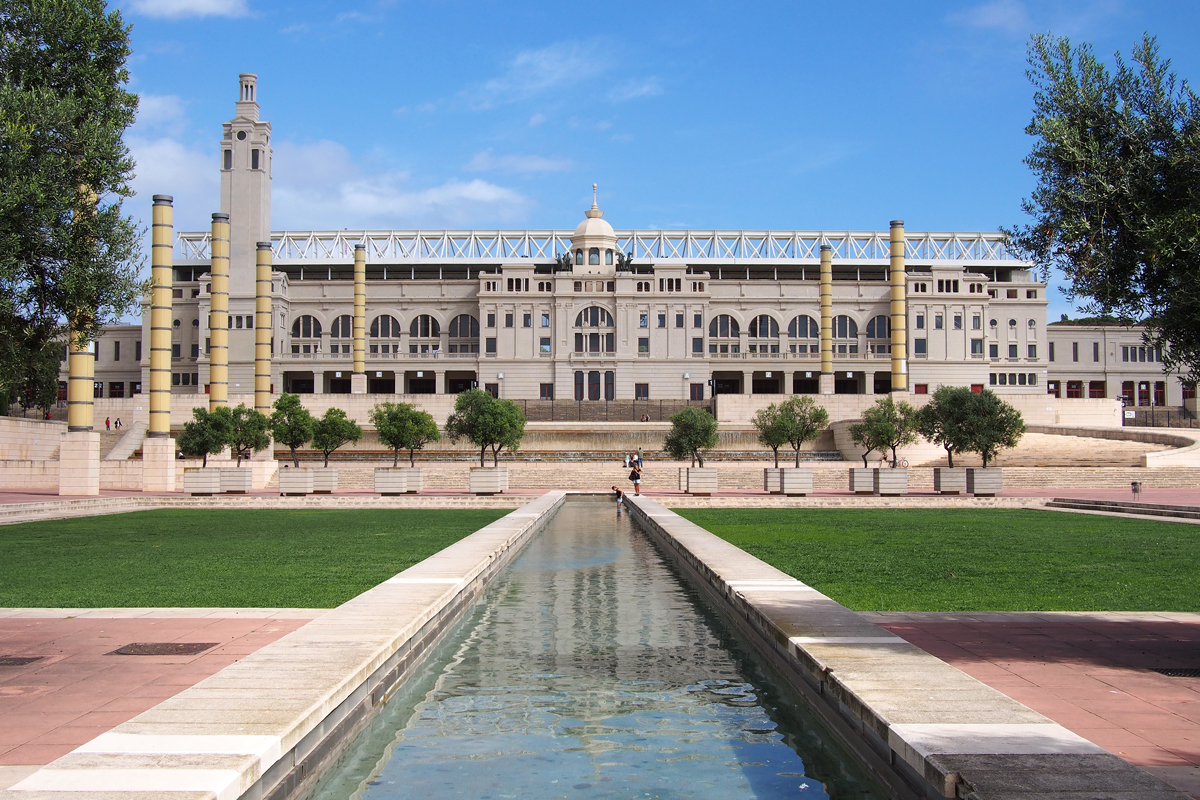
x: 1160, y: 417
x: 606, y: 410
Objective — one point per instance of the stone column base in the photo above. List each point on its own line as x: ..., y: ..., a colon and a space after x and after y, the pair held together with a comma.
x: 358, y: 383
x: 158, y: 464
x: 79, y: 463
x: 826, y: 383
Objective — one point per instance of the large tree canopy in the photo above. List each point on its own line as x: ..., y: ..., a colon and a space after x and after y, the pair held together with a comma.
x: 1116, y: 208
x: 69, y: 260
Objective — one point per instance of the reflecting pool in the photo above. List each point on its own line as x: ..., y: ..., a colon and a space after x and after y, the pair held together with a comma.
x: 591, y: 669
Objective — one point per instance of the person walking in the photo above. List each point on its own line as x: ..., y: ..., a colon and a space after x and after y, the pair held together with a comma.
x: 107, y: 424
x: 117, y: 424
x: 641, y: 462
x: 635, y: 475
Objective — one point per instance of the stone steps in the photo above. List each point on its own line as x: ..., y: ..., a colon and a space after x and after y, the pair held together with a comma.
x: 1119, y: 507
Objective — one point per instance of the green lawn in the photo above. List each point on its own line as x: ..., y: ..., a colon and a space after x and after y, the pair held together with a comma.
x: 295, y: 559
x: 968, y: 560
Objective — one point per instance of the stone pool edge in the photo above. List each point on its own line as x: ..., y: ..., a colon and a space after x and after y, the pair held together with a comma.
x: 921, y: 726
x: 268, y: 726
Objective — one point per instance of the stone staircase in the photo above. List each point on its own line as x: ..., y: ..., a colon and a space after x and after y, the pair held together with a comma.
x: 1121, y: 507
x: 125, y: 445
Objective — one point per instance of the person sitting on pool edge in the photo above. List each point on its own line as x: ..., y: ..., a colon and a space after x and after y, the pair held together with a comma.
x: 617, y: 493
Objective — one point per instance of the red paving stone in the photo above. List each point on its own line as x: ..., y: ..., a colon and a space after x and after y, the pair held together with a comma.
x: 1091, y: 673
x: 76, y: 692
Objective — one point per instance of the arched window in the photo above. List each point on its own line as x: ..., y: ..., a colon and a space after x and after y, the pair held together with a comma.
x: 424, y: 327
x: 599, y: 341
x: 804, y: 327
x: 594, y: 317
x: 764, y: 326
x: 464, y: 334
x: 723, y: 334
x: 306, y: 327
x: 879, y: 328
x: 608, y: 257
x: 579, y: 257
x: 724, y: 326
x: 594, y: 256
x: 343, y: 327
x: 385, y: 327
x: 845, y: 328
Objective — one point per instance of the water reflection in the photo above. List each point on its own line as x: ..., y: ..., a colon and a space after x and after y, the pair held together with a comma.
x: 590, y: 670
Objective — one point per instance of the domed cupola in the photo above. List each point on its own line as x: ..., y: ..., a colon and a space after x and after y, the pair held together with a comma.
x: 594, y: 244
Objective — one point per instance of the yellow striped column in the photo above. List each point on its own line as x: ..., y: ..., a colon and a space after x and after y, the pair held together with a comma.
x: 360, y: 310
x: 218, y: 318
x: 262, y: 330
x: 826, y: 319
x: 81, y: 380
x: 161, y: 277
x: 899, y: 309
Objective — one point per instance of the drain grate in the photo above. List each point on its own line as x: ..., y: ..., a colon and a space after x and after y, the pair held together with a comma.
x: 162, y: 649
x: 1173, y: 672
x: 18, y: 661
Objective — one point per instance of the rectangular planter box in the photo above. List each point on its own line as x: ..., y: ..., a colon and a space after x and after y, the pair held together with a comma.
x: 772, y: 481
x: 701, y: 481
x: 204, y: 482
x: 488, y: 480
x: 390, y: 481
x: 683, y: 479
x: 862, y: 481
x: 416, y: 479
x: 295, y: 481
x: 797, y: 481
x: 950, y: 480
x: 985, y: 482
x: 325, y: 480
x: 237, y: 480
x: 891, y: 482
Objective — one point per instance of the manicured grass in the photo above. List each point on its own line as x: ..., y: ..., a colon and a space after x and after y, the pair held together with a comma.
x: 253, y: 559
x: 968, y: 560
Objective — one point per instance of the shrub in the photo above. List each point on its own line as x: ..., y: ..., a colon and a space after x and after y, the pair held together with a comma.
x: 333, y: 430
x: 692, y: 432
x: 404, y: 427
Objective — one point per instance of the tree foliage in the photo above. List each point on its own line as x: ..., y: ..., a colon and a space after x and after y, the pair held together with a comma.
x: 487, y: 422
x: 991, y: 425
x: 943, y: 420
x: 249, y: 431
x: 69, y: 260
x: 861, y: 435
x: 404, y: 427
x: 333, y: 430
x: 34, y: 381
x: 888, y: 425
x: 795, y: 421
x: 1117, y: 161
x: 692, y: 432
x: 291, y: 424
x: 207, y: 433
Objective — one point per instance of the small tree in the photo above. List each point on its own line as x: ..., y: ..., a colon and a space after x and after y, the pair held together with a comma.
x: 692, y: 432
x: 861, y: 435
x: 249, y: 432
x: 942, y: 420
x: 991, y: 425
x: 404, y: 427
x: 39, y: 387
x: 291, y: 424
x: 891, y: 425
x: 333, y: 430
x: 207, y: 434
x: 803, y: 420
x: 486, y: 422
x: 772, y: 430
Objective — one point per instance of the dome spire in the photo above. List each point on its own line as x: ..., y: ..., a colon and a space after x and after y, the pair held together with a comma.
x: 594, y: 212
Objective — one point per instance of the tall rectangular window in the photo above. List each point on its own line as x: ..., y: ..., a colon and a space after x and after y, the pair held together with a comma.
x: 196, y: 350
x: 545, y: 320
x: 679, y: 320
x: 920, y: 322
x: 1051, y: 351
x: 993, y: 351
x: 491, y: 319
x: 919, y: 347
x: 1074, y: 351
x: 977, y: 347
x: 489, y: 345
x: 1096, y: 352
x: 1012, y: 351
x: 697, y: 347
x: 137, y: 351
x: 697, y: 391
x: 527, y: 320
x: 644, y: 344
x: 976, y: 322
x: 641, y: 391
x: 697, y: 320
x: 958, y: 322
x: 662, y: 320
x: 610, y: 385
x: 546, y: 391
x: 544, y: 345
x: 1033, y: 351
x: 228, y: 162
x: 643, y: 320
x: 116, y: 351
x: 175, y: 351
x: 579, y: 385
x: 937, y: 322
x: 508, y: 320
x: 254, y: 159
x: 492, y: 388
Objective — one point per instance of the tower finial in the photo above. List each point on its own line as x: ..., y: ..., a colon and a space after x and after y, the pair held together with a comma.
x: 594, y: 196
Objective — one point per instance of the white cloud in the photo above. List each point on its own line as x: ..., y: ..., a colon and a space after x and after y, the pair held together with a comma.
x: 320, y: 186
x: 161, y: 112
x: 1008, y: 16
x: 537, y: 119
x: 485, y: 161
x: 532, y: 72
x: 631, y: 90
x: 178, y: 9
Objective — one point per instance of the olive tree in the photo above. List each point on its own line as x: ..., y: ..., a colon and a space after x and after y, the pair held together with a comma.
x: 333, y: 430
x: 402, y: 426
x: 991, y: 425
x: 291, y: 424
x: 249, y: 432
x: 207, y: 434
x: 692, y: 432
x: 794, y: 421
x: 487, y: 422
x: 890, y: 425
x: 942, y: 421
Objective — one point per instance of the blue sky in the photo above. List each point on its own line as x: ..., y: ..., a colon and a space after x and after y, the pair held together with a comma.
x: 837, y: 116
